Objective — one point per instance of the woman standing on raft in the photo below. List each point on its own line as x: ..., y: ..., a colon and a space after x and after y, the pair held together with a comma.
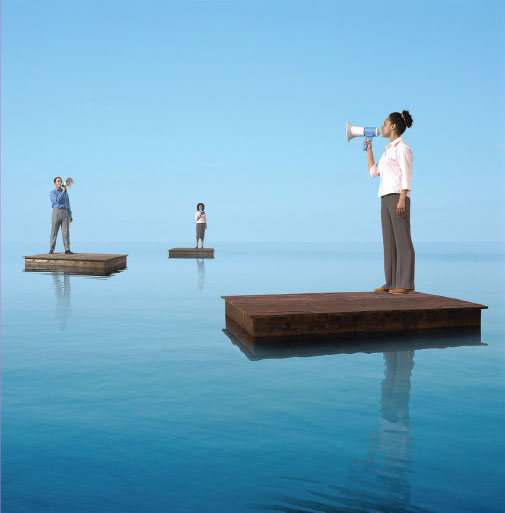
x: 201, y: 223
x: 395, y: 171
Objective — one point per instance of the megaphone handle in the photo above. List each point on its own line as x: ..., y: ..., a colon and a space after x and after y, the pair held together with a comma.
x: 365, y: 144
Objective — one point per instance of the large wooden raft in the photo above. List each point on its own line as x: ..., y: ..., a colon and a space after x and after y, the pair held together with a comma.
x: 287, y: 315
x: 191, y: 253
x: 80, y: 263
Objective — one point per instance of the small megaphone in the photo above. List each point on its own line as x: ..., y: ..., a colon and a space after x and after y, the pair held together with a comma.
x: 68, y: 182
x: 361, y: 131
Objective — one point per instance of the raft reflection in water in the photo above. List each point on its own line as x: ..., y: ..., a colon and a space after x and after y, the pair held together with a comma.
x: 287, y: 347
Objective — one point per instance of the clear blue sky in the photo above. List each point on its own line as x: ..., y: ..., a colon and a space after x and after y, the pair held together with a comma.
x: 152, y: 106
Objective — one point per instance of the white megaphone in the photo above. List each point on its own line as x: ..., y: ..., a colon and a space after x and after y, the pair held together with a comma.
x: 361, y: 131
x: 68, y: 182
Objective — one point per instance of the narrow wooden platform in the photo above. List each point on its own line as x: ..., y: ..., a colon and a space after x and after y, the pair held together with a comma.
x: 284, y: 315
x: 319, y: 345
x: 78, y: 263
x: 191, y: 253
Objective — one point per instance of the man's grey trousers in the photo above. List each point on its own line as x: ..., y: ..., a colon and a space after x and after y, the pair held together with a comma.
x: 60, y: 218
x: 399, y: 255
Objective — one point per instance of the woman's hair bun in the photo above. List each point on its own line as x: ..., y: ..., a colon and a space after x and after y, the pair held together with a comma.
x: 407, y: 118
x: 402, y: 121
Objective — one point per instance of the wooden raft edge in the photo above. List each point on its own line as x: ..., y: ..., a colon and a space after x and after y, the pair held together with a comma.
x: 361, y: 323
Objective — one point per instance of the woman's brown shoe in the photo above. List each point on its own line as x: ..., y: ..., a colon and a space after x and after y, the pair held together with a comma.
x: 401, y: 291
x: 381, y: 289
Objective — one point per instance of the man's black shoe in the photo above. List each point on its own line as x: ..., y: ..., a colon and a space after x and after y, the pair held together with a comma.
x: 51, y: 251
x: 68, y: 252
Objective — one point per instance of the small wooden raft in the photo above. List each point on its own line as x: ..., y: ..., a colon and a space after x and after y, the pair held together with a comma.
x: 191, y: 253
x: 80, y: 263
x: 288, y: 315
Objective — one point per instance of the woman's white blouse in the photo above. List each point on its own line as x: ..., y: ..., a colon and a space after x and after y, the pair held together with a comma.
x: 394, y: 168
x: 202, y: 219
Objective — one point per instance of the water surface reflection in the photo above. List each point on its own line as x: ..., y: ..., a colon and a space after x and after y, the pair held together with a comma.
x: 200, y: 265
x: 378, y: 483
x: 62, y: 289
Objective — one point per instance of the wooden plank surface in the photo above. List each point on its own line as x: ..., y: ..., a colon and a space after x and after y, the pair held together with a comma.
x: 338, y: 302
x: 88, y: 257
x: 278, y: 315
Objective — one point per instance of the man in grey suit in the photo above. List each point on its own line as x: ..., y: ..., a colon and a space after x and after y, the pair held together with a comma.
x: 62, y: 215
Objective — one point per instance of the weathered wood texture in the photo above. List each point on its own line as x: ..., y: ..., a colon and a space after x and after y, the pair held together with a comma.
x: 318, y: 345
x: 281, y: 315
x: 81, y: 263
x: 191, y: 253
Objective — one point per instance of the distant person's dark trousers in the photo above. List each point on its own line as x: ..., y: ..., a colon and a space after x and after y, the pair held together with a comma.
x: 60, y: 218
x: 399, y: 255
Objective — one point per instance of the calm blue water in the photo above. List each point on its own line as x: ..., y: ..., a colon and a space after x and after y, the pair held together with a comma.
x: 124, y: 395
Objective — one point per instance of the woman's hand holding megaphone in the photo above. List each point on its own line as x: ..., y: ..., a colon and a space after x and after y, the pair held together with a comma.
x: 369, y: 153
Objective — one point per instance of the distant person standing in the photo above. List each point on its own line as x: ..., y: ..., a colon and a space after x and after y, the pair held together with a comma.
x: 62, y: 215
x: 395, y: 171
x: 201, y: 223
